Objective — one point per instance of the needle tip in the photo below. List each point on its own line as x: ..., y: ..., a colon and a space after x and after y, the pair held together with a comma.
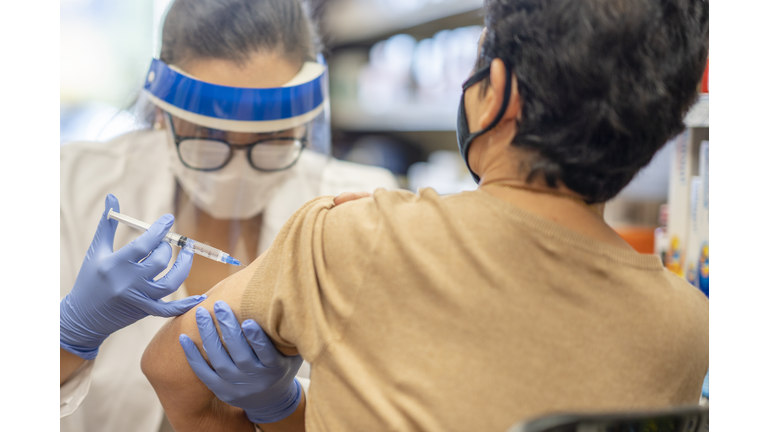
x: 233, y: 261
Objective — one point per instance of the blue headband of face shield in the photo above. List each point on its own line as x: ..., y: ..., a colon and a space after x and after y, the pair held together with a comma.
x: 239, y: 109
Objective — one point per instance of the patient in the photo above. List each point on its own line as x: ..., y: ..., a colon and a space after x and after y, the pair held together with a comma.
x: 476, y: 310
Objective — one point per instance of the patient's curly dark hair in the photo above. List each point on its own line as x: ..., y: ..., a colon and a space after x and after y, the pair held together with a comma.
x: 603, y: 83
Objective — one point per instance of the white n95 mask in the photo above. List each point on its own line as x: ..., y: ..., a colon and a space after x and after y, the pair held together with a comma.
x: 236, y: 191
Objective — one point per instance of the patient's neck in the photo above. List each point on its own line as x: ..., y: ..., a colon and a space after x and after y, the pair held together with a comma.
x: 498, y: 162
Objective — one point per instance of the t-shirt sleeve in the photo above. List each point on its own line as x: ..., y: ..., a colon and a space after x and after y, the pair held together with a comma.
x: 304, y: 290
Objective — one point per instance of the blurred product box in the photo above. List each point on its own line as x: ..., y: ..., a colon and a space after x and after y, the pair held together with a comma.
x: 639, y: 237
x: 660, y: 235
x: 688, y: 210
x: 697, y: 258
x: 693, y: 239
x: 679, y: 208
x: 703, y: 229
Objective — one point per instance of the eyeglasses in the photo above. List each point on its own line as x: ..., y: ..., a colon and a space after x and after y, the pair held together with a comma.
x: 210, y: 154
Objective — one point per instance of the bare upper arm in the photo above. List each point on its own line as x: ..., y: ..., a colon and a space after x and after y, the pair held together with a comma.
x: 164, y: 359
x: 165, y: 345
x: 165, y: 365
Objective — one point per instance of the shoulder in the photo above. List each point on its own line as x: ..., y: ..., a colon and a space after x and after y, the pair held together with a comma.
x: 397, y: 208
x: 128, y: 142
x: 424, y: 205
x: 133, y: 167
x: 342, y: 176
x: 687, y: 313
x: 310, y: 211
x: 688, y: 306
x: 133, y: 154
x: 353, y: 169
x: 321, y: 215
x: 137, y: 148
x: 686, y: 292
x: 404, y: 202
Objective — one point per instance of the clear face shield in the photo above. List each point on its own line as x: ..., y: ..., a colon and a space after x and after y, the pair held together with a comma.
x: 232, y: 147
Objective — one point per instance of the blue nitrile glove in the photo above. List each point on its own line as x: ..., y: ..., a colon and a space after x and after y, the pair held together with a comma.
x: 114, y: 290
x: 254, y: 375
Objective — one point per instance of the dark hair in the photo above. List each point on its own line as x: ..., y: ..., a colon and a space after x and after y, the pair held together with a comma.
x: 234, y: 29
x: 603, y: 84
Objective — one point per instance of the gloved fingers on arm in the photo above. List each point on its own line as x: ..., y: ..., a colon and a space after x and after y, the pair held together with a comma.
x: 217, y: 354
x: 262, y: 346
x: 350, y: 196
x: 196, y: 361
x: 172, y: 280
x: 174, y: 308
x: 148, y: 241
x: 104, y: 238
x: 239, y: 349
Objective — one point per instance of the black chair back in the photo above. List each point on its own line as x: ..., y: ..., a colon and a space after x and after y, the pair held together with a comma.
x: 682, y: 419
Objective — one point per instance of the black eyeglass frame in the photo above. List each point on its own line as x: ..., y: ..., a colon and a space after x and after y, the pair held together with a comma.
x: 247, y: 147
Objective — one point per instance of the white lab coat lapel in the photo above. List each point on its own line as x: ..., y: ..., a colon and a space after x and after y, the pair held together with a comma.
x: 301, y: 187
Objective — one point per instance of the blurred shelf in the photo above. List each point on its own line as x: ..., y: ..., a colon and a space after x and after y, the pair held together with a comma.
x: 408, y: 117
x: 404, y: 117
x: 698, y: 116
x: 359, y: 21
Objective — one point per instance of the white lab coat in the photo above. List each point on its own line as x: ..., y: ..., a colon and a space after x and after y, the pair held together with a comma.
x: 111, y: 392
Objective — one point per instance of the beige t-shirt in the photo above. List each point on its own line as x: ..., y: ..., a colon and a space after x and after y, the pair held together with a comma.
x: 466, y: 313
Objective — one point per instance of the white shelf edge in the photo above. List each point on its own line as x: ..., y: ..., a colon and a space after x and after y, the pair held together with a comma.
x: 698, y: 115
x: 438, y: 117
x: 403, y: 117
x: 356, y: 20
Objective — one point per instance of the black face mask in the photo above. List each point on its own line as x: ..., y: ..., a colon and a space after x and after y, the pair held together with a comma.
x: 462, y: 129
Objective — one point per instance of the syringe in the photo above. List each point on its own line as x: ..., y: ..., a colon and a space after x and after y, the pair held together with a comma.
x: 178, y: 240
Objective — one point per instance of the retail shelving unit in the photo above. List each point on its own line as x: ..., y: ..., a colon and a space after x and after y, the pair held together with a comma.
x: 698, y: 116
x: 355, y: 22
x: 406, y: 117
x: 638, y: 204
x: 442, y: 117
x: 356, y: 25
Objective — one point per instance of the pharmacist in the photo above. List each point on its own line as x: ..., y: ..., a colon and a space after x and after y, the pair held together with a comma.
x: 231, y: 174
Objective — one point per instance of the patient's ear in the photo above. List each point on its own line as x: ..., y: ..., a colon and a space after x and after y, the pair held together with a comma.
x: 495, y: 93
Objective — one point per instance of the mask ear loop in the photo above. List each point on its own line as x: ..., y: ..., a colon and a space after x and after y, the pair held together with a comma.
x: 504, y: 104
x: 474, y: 79
x: 477, y: 77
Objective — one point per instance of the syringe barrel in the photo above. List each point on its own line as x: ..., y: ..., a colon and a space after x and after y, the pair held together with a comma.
x: 178, y: 240
x: 175, y: 239
x: 204, y: 250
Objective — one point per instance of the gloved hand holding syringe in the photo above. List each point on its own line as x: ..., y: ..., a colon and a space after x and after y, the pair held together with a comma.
x: 178, y: 240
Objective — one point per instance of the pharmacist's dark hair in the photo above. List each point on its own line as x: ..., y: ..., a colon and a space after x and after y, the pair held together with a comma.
x: 603, y: 84
x: 234, y: 29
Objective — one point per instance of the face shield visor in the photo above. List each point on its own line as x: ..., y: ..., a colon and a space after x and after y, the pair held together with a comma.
x: 232, y: 147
